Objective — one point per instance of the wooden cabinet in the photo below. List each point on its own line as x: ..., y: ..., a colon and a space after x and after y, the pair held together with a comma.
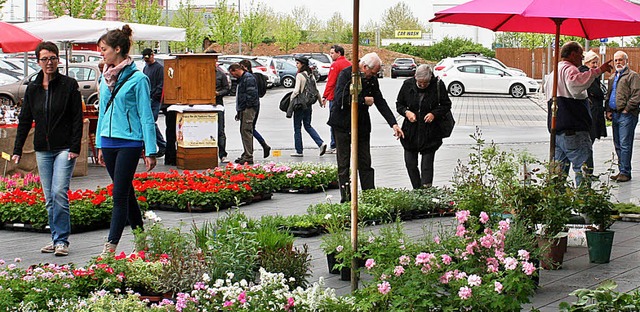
x: 190, y: 79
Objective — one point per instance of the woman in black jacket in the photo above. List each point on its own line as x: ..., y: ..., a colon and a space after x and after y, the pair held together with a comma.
x: 596, y: 93
x: 54, y: 103
x: 424, y: 107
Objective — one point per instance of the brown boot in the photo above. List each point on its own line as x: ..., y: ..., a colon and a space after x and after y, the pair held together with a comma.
x: 623, y: 178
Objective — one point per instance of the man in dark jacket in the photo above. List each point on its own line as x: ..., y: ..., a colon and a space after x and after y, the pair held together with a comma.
x: 340, y: 120
x: 424, y: 107
x: 52, y: 101
x: 155, y: 72
x: 222, y: 89
x: 247, y: 105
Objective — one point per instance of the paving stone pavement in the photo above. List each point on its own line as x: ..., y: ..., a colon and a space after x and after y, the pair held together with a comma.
x: 513, y: 124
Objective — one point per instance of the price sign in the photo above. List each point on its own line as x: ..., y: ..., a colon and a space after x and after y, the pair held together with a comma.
x: 6, y: 156
x: 276, y: 153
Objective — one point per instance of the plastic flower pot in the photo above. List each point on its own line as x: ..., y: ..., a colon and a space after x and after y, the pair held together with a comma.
x: 555, y: 253
x: 599, y: 244
x: 331, y: 261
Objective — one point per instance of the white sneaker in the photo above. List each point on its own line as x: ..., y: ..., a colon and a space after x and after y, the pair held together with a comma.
x: 323, y: 148
x: 331, y: 151
x: 224, y: 160
x: 297, y: 155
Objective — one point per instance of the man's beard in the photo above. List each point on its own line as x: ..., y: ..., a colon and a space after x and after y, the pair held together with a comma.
x: 620, y: 68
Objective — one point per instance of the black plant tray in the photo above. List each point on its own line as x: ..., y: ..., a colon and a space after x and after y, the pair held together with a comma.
x: 305, y: 232
x: 26, y: 227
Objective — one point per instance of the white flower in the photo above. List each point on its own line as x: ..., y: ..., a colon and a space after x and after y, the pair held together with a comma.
x: 206, y: 278
x: 328, y: 215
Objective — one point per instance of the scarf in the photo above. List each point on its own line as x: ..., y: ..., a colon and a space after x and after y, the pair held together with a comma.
x: 111, y: 72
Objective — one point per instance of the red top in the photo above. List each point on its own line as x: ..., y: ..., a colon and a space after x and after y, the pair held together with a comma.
x: 336, y: 67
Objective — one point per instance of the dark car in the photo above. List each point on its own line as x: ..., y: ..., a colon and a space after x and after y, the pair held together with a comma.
x: 403, y: 67
x: 292, y: 59
x: 287, y: 72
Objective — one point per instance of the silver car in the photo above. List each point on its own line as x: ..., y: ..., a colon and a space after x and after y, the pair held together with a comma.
x: 86, y: 74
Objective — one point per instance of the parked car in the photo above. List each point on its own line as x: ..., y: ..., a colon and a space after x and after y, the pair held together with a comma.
x: 474, y: 58
x: 17, y: 66
x: 287, y: 72
x: 323, y: 63
x: 257, y: 67
x: 481, y: 78
x: 403, y: 67
x: 81, y: 56
x: 270, y: 65
x: 224, y: 64
x: 86, y: 74
x: 292, y: 59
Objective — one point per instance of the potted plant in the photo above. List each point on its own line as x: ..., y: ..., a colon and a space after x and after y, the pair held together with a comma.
x: 595, y: 203
x: 555, y: 209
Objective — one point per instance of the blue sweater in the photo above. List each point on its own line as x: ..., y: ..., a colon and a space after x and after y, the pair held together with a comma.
x: 129, y: 116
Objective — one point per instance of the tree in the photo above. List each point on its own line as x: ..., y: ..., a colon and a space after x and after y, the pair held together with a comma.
x: 141, y: 11
x: 191, y: 20
x: 398, y: 17
x: 288, y: 33
x: 450, y: 47
x: 2, y: 2
x: 255, y: 25
x: 223, y: 25
x: 309, y: 24
x: 338, y: 30
x: 90, y: 9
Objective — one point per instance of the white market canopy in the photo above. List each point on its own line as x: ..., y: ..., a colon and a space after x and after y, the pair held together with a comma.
x: 66, y: 28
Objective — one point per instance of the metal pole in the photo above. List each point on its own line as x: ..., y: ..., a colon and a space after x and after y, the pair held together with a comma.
x: 25, y: 56
x: 355, y: 90
x: 239, y: 30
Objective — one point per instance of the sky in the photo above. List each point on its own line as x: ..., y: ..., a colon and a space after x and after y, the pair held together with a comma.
x: 322, y: 9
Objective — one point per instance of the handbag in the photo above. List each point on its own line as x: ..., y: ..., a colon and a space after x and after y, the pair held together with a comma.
x: 284, y: 102
x: 447, y: 123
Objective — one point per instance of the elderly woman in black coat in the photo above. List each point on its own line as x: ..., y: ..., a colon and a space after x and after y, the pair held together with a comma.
x: 596, y: 93
x: 423, y: 101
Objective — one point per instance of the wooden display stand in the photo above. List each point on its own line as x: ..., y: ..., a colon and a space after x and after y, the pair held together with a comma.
x: 190, y: 79
x: 197, y: 138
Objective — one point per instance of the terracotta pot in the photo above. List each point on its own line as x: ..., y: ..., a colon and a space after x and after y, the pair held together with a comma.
x: 556, y: 248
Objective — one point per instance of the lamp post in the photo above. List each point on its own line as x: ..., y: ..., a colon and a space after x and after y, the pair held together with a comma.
x: 239, y: 30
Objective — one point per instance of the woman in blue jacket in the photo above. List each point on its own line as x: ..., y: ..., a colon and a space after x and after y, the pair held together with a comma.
x: 125, y: 127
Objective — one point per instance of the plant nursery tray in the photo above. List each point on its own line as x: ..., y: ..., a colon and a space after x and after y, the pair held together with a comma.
x: 630, y: 217
x: 305, y: 232
x: 305, y: 190
x: 25, y: 227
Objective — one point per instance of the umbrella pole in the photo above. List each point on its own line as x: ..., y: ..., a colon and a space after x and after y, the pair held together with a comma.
x: 355, y: 90
x: 554, y: 105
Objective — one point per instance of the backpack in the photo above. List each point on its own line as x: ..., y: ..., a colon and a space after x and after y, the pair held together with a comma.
x: 261, y: 80
x: 309, y: 94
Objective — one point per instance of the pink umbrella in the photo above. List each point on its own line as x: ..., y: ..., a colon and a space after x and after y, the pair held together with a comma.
x: 15, y: 39
x: 590, y: 19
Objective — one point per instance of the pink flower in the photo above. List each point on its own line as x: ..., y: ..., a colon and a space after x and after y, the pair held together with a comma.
x: 484, y: 217
x: 242, y: 297
x: 471, y: 246
x: 424, y: 258
x: 474, y: 280
x: 227, y: 303
x: 436, y: 239
x: 405, y: 260
x: 528, y: 268
x: 383, y: 276
x: 504, y: 225
x: 498, y: 287
x: 339, y: 248
x: 384, y: 287
x: 290, y: 302
x: 462, y: 216
x: 399, y: 270
x: 444, y: 279
x: 459, y: 275
x: 523, y: 254
x: 464, y: 293
x: 370, y: 264
x: 510, y: 263
x: 446, y: 259
x: 486, y: 241
x: 460, y: 230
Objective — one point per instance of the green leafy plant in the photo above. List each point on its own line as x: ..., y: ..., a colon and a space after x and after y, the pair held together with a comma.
x: 603, y: 298
x: 294, y: 263
x: 595, y: 202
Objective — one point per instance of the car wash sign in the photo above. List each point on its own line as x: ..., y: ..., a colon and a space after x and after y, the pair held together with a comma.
x: 414, y: 34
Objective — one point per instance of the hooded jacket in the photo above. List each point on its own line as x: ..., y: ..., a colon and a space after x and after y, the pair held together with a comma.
x: 58, y: 121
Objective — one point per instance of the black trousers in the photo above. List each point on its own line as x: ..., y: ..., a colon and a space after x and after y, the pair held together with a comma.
x: 343, y: 155
x: 424, y: 175
x: 170, y: 135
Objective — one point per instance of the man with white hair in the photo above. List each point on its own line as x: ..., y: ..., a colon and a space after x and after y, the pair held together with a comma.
x: 622, y: 109
x: 340, y: 120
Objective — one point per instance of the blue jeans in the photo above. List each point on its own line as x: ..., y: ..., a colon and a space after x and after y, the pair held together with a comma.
x: 55, y: 171
x: 121, y: 164
x: 303, y: 117
x: 573, y: 151
x: 624, y: 126
x: 155, y: 109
